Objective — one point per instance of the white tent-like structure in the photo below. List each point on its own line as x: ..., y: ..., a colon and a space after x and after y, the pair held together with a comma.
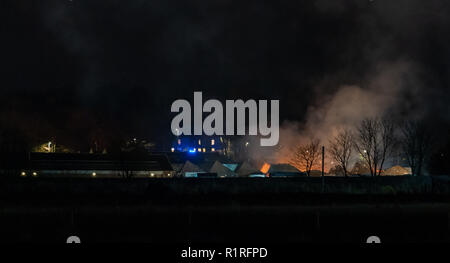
x: 221, y: 170
x: 247, y: 170
x: 190, y: 170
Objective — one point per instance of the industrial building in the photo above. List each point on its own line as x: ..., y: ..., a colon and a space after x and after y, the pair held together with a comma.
x: 124, y: 165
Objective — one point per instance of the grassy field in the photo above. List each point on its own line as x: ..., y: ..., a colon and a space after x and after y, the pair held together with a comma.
x: 203, y: 211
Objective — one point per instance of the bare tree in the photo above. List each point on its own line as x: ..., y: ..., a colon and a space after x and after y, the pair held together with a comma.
x: 341, y: 148
x: 388, y: 141
x: 416, y: 143
x: 306, y: 155
x: 374, y: 142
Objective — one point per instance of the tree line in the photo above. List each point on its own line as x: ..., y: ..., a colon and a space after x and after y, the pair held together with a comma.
x: 375, y: 140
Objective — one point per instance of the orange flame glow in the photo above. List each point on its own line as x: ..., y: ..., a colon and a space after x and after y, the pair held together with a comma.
x: 265, y: 168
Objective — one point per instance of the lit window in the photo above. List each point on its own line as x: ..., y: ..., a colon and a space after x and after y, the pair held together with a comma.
x: 172, y: 149
x: 179, y: 141
x: 199, y: 142
x: 199, y: 150
x: 204, y: 149
x: 213, y: 150
x: 212, y: 142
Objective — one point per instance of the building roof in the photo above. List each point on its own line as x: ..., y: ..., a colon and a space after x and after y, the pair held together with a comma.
x: 246, y: 169
x: 221, y: 170
x: 189, y: 167
x: 282, y: 168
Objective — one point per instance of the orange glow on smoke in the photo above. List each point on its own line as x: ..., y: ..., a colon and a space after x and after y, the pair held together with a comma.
x: 265, y: 168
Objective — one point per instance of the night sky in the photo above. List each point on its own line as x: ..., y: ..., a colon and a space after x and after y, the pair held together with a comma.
x: 74, y: 70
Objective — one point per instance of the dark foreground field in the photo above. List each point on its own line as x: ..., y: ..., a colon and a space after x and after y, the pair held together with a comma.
x: 238, y: 211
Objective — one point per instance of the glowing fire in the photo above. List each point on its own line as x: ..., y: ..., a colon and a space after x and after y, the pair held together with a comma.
x: 265, y: 168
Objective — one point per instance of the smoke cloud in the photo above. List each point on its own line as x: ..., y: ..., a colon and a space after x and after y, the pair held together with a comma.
x: 386, y: 70
x: 350, y: 104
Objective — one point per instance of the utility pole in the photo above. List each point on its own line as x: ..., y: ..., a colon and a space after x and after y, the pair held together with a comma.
x: 323, y: 169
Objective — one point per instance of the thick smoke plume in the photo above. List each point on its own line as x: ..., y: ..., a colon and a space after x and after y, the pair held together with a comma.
x: 385, y: 94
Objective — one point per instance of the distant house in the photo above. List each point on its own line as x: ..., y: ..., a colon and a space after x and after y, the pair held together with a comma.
x: 197, y: 144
